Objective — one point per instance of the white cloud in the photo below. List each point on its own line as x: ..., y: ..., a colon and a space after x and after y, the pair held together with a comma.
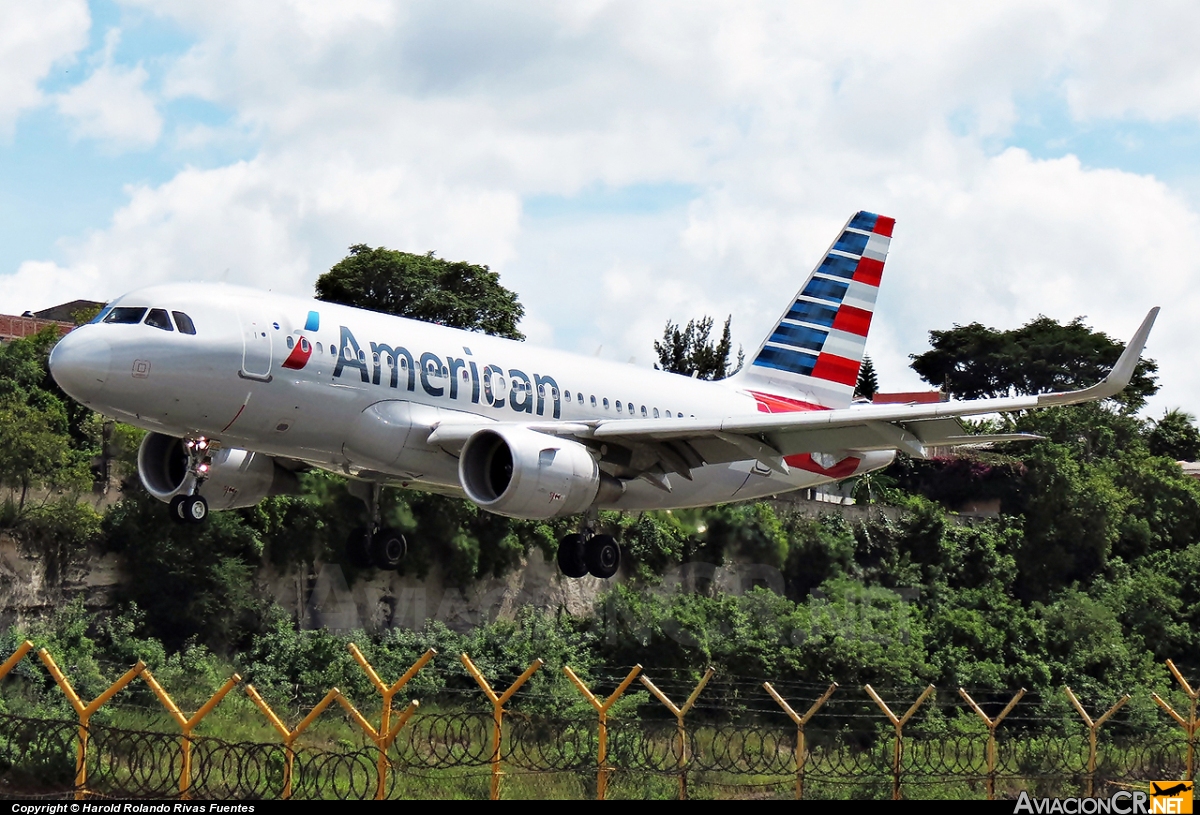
x: 1137, y: 61
x: 266, y: 223
x: 423, y: 127
x: 35, y: 35
x: 112, y: 104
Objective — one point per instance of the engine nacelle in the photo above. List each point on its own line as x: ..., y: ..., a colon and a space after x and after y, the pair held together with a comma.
x: 237, y: 478
x: 525, y: 474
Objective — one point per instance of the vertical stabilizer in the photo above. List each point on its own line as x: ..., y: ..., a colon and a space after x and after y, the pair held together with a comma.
x: 810, y: 360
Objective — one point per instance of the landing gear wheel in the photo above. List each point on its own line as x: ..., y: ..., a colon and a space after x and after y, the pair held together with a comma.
x: 194, y: 509
x: 570, y: 556
x: 358, y: 548
x: 388, y: 548
x: 603, y: 556
x: 175, y: 509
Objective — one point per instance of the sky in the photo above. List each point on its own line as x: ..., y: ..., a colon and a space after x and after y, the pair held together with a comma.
x: 620, y: 164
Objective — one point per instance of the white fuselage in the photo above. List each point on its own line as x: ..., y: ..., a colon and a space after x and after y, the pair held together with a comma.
x: 245, y: 380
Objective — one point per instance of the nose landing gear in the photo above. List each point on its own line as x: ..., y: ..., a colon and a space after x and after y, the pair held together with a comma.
x: 192, y: 508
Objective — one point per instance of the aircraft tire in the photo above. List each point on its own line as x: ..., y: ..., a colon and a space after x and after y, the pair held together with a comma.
x: 603, y: 556
x: 195, y: 509
x: 175, y: 509
x: 570, y: 556
x: 358, y: 548
x: 388, y: 548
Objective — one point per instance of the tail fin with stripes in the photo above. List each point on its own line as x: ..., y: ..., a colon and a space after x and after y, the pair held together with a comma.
x: 810, y: 360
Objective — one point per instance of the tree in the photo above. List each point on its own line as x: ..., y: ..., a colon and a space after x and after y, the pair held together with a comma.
x: 34, y: 450
x: 868, y: 383
x: 423, y: 287
x: 1175, y: 436
x: 691, y: 350
x: 973, y: 361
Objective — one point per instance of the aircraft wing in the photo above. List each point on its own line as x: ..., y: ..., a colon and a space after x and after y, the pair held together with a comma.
x: 680, y: 445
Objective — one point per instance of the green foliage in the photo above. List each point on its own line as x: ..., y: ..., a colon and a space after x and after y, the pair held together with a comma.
x: 972, y: 361
x: 59, y: 533
x: 35, y: 451
x: 868, y: 381
x: 692, y: 351
x: 192, y: 581
x: 847, y: 630
x: 1073, y: 513
x: 752, y: 531
x: 1175, y: 436
x: 423, y: 287
x: 960, y: 479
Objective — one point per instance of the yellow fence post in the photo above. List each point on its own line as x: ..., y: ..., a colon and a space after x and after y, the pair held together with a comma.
x: 382, y: 738
x: 898, y: 723
x: 290, y: 736
x: 388, y: 692
x: 19, y: 654
x: 1188, y: 725
x: 187, y: 725
x: 85, y: 711
x: 801, y: 747
x: 1093, y: 731
x: 498, y: 703
x: 679, y: 713
x: 991, y: 726
x: 602, y: 709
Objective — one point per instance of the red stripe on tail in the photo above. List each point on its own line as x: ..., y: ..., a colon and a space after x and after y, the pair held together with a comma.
x: 837, y: 369
x: 852, y: 320
x: 869, y: 271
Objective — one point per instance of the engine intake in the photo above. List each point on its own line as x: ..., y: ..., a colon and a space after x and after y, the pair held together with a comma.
x: 237, y: 478
x: 521, y: 473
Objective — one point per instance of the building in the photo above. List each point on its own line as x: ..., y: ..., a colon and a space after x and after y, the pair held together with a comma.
x: 13, y: 327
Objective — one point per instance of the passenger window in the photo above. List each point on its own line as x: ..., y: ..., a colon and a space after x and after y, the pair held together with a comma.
x: 606, y: 403
x: 644, y: 412
x: 304, y: 346
x: 656, y: 413
x: 593, y: 400
x: 290, y: 342
x: 618, y: 406
x: 157, y: 318
x: 631, y: 408
x: 125, y: 315
x: 184, y: 322
x: 320, y: 350
x: 567, y: 395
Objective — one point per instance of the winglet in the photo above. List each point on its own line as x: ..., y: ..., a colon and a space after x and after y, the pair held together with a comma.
x: 1117, y: 379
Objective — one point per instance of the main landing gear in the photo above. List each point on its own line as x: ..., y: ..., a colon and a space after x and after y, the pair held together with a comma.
x: 192, y: 508
x: 381, y: 547
x: 586, y: 553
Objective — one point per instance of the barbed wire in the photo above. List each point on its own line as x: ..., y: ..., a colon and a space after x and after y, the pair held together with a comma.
x: 38, y: 758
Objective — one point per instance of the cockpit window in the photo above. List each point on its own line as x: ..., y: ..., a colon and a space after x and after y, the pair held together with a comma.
x: 184, y: 322
x: 158, y: 319
x: 99, y: 318
x: 125, y: 314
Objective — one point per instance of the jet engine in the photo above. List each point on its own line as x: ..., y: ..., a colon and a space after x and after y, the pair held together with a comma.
x: 521, y: 473
x: 236, y: 478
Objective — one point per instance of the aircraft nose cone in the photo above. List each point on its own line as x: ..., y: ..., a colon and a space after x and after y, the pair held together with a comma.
x: 80, y: 364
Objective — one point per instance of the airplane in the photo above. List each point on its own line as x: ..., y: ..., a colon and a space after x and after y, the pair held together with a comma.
x: 240, y: 390
x: 1170, y: 791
